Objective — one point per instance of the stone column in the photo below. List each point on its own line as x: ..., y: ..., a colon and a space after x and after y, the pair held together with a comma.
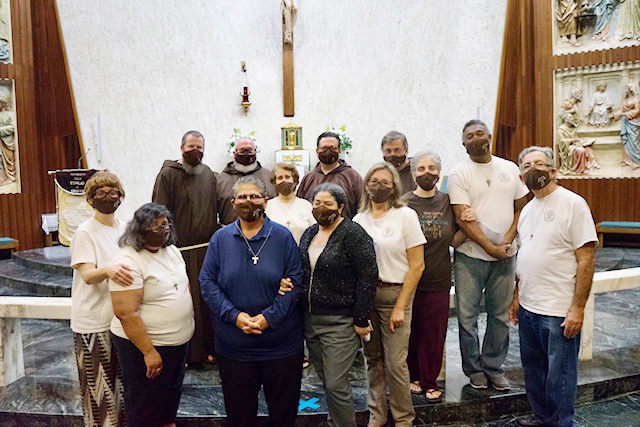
x: 11, y: 360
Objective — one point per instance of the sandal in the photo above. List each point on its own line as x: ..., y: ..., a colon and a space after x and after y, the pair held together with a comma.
x: 305, y: 363
x: 436, y: 395
x: 415, y: 388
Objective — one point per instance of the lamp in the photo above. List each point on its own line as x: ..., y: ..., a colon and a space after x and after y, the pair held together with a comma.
x: 245, y: 90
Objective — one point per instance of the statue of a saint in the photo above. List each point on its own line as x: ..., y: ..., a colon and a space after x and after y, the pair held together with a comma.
x: 600, y: 108
x: 631, y: 20
x: 5, y: 31
x: 289, y: 10
x: 630, y: 126
x: 606, y: 12
x: 574, y: 153
x: 567, y: 16
x: 7, y: 134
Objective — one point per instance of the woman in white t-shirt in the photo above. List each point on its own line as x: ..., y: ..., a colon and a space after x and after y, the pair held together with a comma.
x: 287, y: 209
x: 93, y: 246
x: 153, y: 320
x: 399, y: 244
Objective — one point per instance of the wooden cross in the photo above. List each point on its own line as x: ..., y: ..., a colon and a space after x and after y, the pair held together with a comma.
x: 255, y: 259
x: 288, y: 8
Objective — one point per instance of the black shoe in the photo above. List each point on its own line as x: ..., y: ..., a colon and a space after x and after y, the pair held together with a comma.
x: 530, y: 421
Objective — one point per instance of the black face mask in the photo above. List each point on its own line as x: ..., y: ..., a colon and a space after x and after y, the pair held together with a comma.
x: 106, y: 205
x: 249, y: 211
x: 537, y: 179
x: 285, y: 188
x: 193, y: 157
x: 155, y: 239
x: 245, y: 159
x: 396, y: 161
x: 325, y: 216
x: 477, y: 147
x: 427, y: 181
x: 328, y: 157
x: 379, y: 194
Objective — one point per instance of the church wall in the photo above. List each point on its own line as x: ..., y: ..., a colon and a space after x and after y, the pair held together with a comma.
x: 150, y: 73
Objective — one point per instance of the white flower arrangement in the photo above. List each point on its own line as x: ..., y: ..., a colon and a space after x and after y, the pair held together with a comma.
x: 346, y: 143
x: 237, y: 135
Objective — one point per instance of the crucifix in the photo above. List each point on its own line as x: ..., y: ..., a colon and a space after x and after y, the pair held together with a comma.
x: 289, y: 10
x: 255, y: 259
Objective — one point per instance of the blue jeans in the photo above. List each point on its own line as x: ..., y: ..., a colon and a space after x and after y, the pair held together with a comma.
x: 497, y: 280
x: 550, y: 362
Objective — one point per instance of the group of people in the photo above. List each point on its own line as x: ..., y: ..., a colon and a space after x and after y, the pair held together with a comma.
x: 342, y: 263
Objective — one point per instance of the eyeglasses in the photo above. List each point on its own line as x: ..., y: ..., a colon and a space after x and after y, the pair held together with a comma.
x: 246, y: 151
x: 539, y: 164
x: 159, y: 227
x: 384, y: 183
x: 111, y: 193
x: 252, y: 197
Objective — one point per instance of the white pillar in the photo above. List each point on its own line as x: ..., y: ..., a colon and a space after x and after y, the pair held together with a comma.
x: 11, y: 359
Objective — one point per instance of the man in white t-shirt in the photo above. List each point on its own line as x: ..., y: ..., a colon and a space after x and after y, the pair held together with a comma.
x: 555, y: 270
x: 485, y: 262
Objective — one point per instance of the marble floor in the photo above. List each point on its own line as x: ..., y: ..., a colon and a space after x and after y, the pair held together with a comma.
x: 623, y: 411
x: 50, y: 391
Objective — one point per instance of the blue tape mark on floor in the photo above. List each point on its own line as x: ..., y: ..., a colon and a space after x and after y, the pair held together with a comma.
x: 311, y: 404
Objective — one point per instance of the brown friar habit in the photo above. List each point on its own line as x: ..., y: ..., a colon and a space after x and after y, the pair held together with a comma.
x: 191, y: 198
x: 227, y: 178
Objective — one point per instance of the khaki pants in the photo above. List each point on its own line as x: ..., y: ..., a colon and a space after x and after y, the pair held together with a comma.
x: 386, y: 355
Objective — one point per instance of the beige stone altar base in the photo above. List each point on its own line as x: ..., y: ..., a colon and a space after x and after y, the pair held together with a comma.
x: 12, y: 309
x: 604, y: 281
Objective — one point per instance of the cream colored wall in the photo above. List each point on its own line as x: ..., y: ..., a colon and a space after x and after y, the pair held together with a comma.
x: 151, y: 73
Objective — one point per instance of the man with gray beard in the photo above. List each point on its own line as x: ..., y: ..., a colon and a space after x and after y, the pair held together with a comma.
x: 188, y: 189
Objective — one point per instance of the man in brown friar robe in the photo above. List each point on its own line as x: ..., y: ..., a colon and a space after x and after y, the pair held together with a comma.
x: 244, y: 163
x: 188, y: 189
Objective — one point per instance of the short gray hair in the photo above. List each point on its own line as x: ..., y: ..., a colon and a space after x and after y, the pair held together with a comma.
x: 393, y: 136
x: 421, y: 155
x: 548, y: 151
x: 250, y: 179
x: 145, y: 215
x: 335, y: 190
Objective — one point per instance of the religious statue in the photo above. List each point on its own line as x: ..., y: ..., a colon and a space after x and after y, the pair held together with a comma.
x: 7, y: 137
x: 289, y: 10
x: 575, y: 155
x: 567, y: 16
x: 630, y: 126
x: 606, y: 12
x: 631, y: 20
x: 600, y: 107
x: 5, y: 31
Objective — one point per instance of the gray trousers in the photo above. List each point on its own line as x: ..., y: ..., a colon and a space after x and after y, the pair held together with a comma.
x: 386, y: 355
x: 333, y: 345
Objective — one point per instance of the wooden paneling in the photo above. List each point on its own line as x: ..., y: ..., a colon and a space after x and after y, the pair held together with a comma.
x: 524, y: 115
x: 47, y: 136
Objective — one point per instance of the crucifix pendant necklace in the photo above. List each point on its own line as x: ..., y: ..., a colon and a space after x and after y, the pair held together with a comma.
x: 488, y: 178
x: 256, y: 255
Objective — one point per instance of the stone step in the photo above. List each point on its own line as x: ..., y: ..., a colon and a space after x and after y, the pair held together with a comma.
x: 608, y: 143
x: 41, y: 283
x: 592, y: 132
x: 55, y: 260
